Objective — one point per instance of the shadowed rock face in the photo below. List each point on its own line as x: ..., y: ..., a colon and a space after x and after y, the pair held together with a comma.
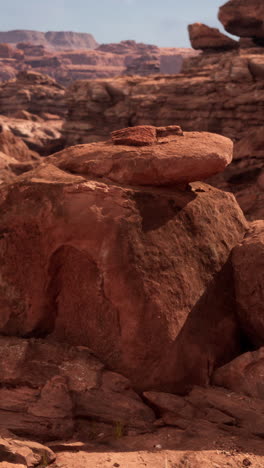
x: 243, y: 18
x: 248, y: 261
x: 120, y: 257
x: 243, y: 374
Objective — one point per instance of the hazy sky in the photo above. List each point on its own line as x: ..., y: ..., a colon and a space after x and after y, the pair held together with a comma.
x: 160, y: 22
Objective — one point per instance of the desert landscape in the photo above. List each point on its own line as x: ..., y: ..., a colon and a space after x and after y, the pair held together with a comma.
x: 132, y: 249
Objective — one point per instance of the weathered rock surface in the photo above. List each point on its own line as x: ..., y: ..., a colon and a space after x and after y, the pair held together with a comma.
x: 220, y: 430
x: 248, y: 262
x: 13, y: 146
x: 217, y: 93
x: 66, y: 64
x: 222, y: 93
x: 243, y: 18
x: 96, y: 245
x: 33, y: 92
x: 203, y: 37
x: 38, y: 135
x: 46, y: 386
x: 143, y: 156
x: 245, y: 374
x: 244, y: 175
x: 18, y: 452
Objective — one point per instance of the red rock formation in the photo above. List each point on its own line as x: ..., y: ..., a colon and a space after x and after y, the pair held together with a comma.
x: 97, y: 259
x: 248, y: 261
x: 243, y: 374
x: 243, y: 18
x: 51, y: 39
x: 46, y: 386
x: 43, y: 136
x: 7, y: 51
x: 127, y: 57
x: 143, y: 156
x: 13, y: 146
x: 33, y: 92
x: 206, y: 38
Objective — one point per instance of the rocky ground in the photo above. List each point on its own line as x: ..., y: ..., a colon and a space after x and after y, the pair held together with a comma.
x: 131, y: 281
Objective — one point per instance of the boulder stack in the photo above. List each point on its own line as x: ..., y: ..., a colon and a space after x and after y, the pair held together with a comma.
x: 121, y: 255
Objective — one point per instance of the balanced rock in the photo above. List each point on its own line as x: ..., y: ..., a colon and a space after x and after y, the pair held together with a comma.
x: 137, y: 274
x: 205, y: 38
x: 244, y: 374
x: 147, y: 155
x: 243, y: 17
x: 248, y: 262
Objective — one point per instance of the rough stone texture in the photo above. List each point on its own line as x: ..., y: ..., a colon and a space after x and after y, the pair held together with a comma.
x: 7, y: 51
x: 38, y: 135
x: 140, y: 157
x: 203, y: 37
x: 243, y: 18
x: 33, y: 92
x: 20, y: 452
x: 245, y: 374
x: 248, y: 263
x: 244, y: 175
x: 134, y: 316
x: 221, y: 93
x: 220, y: 430
x: 46, y: 386
x: 217, y: 93
x: 13, y: 146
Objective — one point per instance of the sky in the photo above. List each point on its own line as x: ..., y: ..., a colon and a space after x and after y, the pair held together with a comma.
x: 160, y: 22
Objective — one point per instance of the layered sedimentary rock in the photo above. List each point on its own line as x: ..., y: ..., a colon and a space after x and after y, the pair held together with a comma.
x: 97, y: 239
x: 31, y: 91
x: 51, y: 39
x: 40, y: 135
x: 222, y: 92
x: 46, y: 387
x: 76, y: 62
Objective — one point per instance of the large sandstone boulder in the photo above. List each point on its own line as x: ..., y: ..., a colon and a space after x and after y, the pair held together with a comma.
x: 244, y: 374
x: 248, y: 262
x: 146, y: 155
x: 243, y: 17
x: 203, y: 37
x: 135, y: 273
